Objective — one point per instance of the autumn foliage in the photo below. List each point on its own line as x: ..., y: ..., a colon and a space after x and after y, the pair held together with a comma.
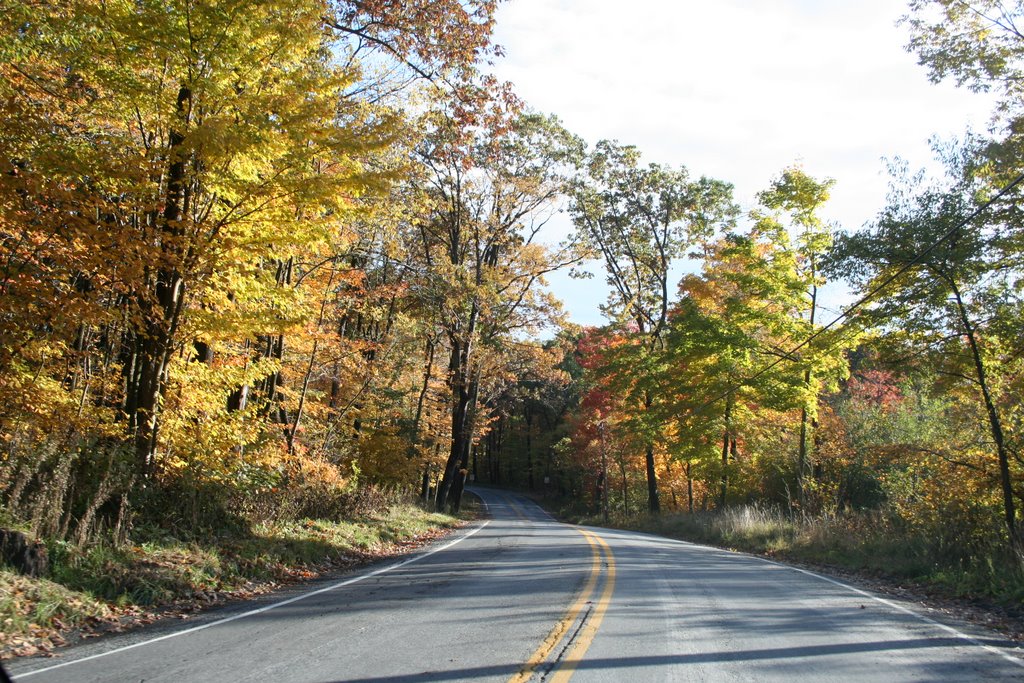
x: 245, y: 271
x: 264, y: 261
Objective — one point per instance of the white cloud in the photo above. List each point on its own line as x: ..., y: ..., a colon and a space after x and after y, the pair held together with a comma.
x: 738, y: 89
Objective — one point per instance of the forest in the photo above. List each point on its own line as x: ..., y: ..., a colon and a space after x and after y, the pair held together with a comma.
x: 286, y: 260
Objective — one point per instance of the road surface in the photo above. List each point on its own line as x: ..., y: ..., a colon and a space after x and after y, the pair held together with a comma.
x: 520, y: 597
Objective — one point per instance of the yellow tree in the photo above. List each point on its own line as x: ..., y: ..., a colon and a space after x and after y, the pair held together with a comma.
x: 730, y: 363
x: 794, y: 200
x: 492, y: 176
x: 203, y: 139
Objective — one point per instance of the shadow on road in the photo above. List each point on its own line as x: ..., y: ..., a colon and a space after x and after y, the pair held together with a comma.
x: 678, y: 660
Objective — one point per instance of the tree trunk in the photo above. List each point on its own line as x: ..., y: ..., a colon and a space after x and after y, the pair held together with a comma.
x: 425, y: 484
x: 312, y: 363
x: 529, y: 447
x: 239, y: 398
x: 459, y: 382
x: 653, y: 503
x: 455, y: 498
x: 802, y: 457
x: 625, y: 487
x: 459, y: 411
x: 726, y: 439
x: 689, y: 488
x: 801, y: 464
x: 995, y: 426
x: 428, y: 369
x: 496, y: 451
x: 275, y: 350
x: 156, y: 342
x: 302, y: 398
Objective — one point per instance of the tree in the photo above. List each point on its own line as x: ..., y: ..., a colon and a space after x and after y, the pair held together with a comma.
x: 442, y: 41
x: 191, y: 264
x: 948, y: 280
x: 729, y: 348
x: 492, y: 175
x: 801, y: 197
x: 212, y: 136
x: 525, y: 397
x: 603, y: 431
x: 977, y: 44
x: 639, y: 221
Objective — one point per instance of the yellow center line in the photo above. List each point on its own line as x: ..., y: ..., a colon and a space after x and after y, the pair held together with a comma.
x: 586, y: 636
x: 518, y: 510
x: 562, y: 627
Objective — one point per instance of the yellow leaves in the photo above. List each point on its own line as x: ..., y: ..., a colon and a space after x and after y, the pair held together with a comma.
x: 227, y: 156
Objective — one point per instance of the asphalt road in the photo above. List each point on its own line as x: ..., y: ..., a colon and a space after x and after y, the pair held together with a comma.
x: 521, y: 597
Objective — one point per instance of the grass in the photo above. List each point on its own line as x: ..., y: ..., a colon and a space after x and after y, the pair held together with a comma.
x: 101, y: 586
x: 866, y: 543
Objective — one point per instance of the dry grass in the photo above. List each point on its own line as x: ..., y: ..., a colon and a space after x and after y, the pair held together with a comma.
x: 867, y: 542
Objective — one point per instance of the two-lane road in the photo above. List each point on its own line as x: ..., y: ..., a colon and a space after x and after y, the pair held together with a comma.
x: 521, y: 597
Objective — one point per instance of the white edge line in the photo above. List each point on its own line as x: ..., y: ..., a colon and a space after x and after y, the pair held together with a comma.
x: 266, y: 608
x: 487, y: 507
x: 906, y: 610
x: 888, y: 603
x: 544, y: 512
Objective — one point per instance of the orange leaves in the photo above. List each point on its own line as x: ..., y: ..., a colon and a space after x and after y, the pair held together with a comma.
x: 432, y: 34
x: 876, y: 388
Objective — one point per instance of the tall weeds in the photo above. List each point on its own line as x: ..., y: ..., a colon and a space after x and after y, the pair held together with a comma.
x: 64, y: 490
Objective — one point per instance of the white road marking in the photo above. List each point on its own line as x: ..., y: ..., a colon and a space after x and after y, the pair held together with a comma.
x: 267, y: 608
x: 906, y: 610
x: 888, y: 603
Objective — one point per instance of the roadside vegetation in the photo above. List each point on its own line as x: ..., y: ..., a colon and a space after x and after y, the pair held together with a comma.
x: 733, y: 407
x: 868, y: 544
x: 242, y: 323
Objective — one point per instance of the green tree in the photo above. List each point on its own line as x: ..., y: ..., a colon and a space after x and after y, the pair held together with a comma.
x: 978, y: 44
x: 730, y: 346
x: 800, y: 197
x: 640, y: 221
x: 946, y: 266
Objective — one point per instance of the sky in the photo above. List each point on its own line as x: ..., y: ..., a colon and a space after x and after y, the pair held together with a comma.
x: 736, y: 90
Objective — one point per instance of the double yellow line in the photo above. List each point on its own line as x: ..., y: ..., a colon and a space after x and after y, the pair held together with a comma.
x: 518, y: 510
x: 580, y: 642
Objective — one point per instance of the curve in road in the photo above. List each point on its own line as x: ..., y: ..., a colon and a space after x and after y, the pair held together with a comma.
x: 522, y: 597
